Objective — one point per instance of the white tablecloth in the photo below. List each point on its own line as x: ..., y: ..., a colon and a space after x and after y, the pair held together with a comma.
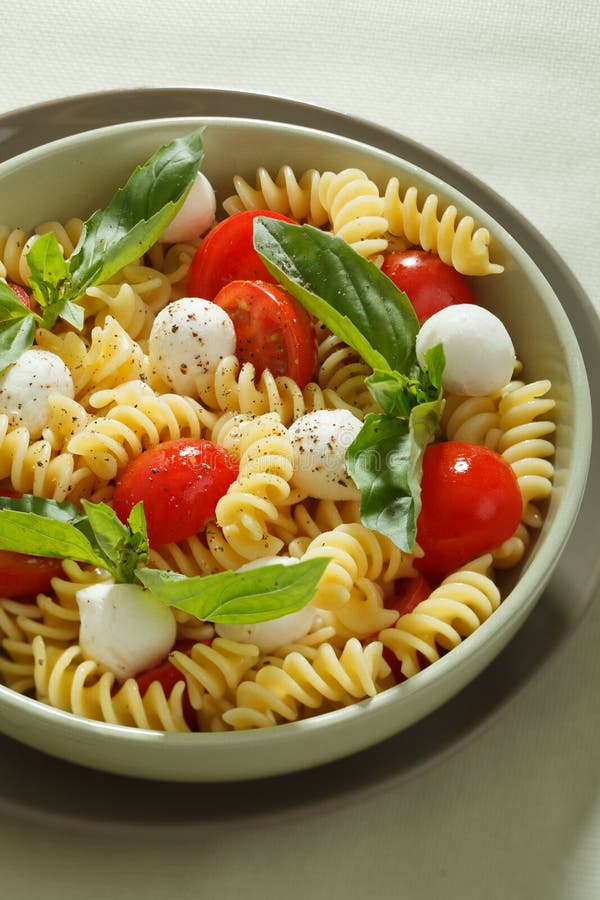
x: 509, y: 91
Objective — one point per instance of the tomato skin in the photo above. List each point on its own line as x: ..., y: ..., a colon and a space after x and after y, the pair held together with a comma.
x: 273, y: 329
x: 429, y: 283
x: 166, y: 673
x: 180, y: 483
x: 25, y: 576
x: 409, y: 592
x: 471, y: 503
x: 227, y: 254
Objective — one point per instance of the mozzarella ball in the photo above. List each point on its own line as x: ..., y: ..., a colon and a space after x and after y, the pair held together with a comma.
x: 27, y: 385
x: 189, y: 338
x: 196, y: 215
x: 319, y: 442
x: 270, y: 635
x: 480, y: 356
x: 124, y: 627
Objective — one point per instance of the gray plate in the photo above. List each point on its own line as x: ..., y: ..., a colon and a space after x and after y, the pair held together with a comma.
x: 45, y: 788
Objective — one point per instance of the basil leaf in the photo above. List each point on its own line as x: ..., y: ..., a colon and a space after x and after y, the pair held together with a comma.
x: 346, y: 292
x: 25, y: 532
x: 50, y: 509
x: 137, y: 214
x: 124, y: 546
x: 395, y: 393
x: 247, y: 597
x: 11, y: 308
x: 379, y: 461
x: 16, y: 337
x: 48, y: 272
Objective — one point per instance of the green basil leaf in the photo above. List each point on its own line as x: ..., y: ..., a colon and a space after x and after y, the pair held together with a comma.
x: 346, y: 292
x: 73, y: 314
x: 48, y: 273
x: 25, y: 532
x: 137, y: 214
x: 50, y: 509
x: 16, y: 337
x: 435, y: 362
x: 379, y: 461
x: 246, y: 597
x: 394, y: 392
x: 11, y: 308
x: 124, y: 546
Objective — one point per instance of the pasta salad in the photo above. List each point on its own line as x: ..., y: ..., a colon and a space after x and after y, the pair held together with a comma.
x: 254, y: 469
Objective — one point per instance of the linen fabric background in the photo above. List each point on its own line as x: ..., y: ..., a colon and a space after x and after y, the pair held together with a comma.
x: 511, y: 93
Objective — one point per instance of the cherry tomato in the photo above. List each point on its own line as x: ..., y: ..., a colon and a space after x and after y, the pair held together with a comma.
x: 21, y: 294
x: 429, y: 284
x: 26, y: 576
x: 272, y: 328
x: 180, y: 483
x: 227, y: 254
x: 168, y: 675
x: 408, y: 593
x: 471, y: 503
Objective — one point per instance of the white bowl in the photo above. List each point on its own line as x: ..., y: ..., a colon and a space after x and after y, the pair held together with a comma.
x: 76, y: 175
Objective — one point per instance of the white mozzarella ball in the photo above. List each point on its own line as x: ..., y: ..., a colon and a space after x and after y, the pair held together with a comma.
x: 189, y: 338
x: 319, y: 442
x: 27, y: 385
x: 480, y: 356
x: 124, y: 627
x: 270, y: 635
x: 196, y: 215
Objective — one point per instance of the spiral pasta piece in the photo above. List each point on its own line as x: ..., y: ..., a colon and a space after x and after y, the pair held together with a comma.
x: 299, y: 685
x: 524, y: 443
x: 34, y: 467
x: 298, y: 198
x: 252, y: 500
x: 137, y: 420
x: 215, y: 670
x: 474, y: 420
x: 457, y: 243
x: 341, y: 377
x: 54, y: 616
x: 66, y: 680
x: 453, y: 611
x: 355, y: 210
x: 15, y: 244
x: 356, y: 553
x: 173, y: 261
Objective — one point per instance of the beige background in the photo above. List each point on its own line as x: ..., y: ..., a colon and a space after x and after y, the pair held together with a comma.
x: 509, y: 91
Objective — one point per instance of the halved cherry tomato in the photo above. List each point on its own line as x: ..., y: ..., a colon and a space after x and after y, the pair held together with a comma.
x: 429, y: 283
x: 272, y: 328
x: 227, y: 254
x: 166, y: 673
x: 471, y: 503
x: 180, y: 483
x: 26, y: 576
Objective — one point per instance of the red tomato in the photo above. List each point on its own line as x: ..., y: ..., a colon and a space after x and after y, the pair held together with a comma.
x: 168, y: 675
x: 227, y: 254
x: 21, y: 294
x: 272, y: 328
x: 429, y: 284
x: 471, y: 503
x: 26, y: 576
x: 408, y: 594
x: 180, y: 483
